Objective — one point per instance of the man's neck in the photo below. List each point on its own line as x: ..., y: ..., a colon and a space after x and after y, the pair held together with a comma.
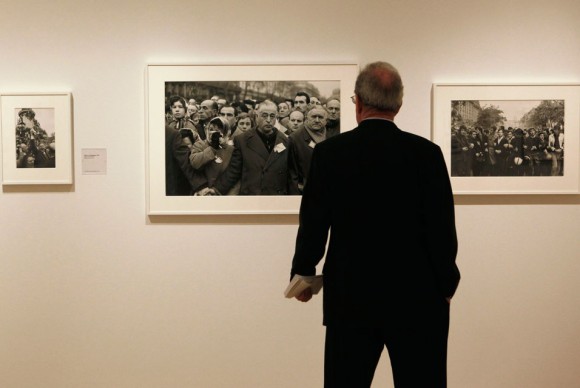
x: 267, y: 135
x: 368, y: 113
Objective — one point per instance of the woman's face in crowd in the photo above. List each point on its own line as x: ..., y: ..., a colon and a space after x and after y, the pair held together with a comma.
x: 187, y: 142
x: 178, y: 110
x: 244, y: 124
x: 213, y: 128
x: 191, y: 109
x: 28, y: 123
x: 283, y: 110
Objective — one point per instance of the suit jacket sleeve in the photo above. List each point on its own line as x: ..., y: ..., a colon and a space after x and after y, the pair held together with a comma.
x: 314, y: 220
x: 440, y: 223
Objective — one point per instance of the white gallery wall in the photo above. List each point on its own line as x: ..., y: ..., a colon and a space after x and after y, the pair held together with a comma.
x: 93, y: 293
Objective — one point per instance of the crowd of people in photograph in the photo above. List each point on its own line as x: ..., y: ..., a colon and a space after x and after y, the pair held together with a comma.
x: 34, y: 147
x: 219, y: 147
x: 500, y: 151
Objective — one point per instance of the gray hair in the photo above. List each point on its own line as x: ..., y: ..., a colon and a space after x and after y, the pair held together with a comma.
x: 267, y: 104
x: 379, y: 86
x: 319, y: 109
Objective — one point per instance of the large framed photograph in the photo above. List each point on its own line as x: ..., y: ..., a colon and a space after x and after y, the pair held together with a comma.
x: 509, y: 138
x: 36, y: 139
x: 237, y: 122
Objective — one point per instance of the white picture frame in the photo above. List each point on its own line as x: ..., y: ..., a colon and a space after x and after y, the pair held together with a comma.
x: 53, y: 114
x: 157, y: 75
x: 446, y: 96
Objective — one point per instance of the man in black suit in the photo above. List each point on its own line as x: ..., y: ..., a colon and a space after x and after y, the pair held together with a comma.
x: 385, y: 197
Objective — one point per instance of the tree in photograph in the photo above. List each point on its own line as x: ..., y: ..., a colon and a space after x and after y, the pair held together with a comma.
x: 547, y: 114
x: 490, y: 116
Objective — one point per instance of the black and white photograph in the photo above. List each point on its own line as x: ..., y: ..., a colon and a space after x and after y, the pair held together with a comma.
x: 274, y: 155
x: 37, y: 138
x: 239, y: 139
x: 509, y: 138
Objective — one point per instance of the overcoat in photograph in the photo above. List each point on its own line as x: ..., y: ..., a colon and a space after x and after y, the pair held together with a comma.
x: 300, y: 148
x: 260, y: 172
x: 180, y: 177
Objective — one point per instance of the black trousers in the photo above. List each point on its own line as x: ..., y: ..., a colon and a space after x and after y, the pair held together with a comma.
x: 415, y: 339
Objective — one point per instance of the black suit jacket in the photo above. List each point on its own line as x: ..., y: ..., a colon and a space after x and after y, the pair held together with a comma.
x: 385, y: 197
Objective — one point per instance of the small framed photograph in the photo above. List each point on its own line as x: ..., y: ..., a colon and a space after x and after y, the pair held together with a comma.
x: 509, y: 138
x: 241, y: 88
x: 36, y: 139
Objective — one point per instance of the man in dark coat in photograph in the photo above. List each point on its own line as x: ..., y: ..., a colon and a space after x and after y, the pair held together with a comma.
x: 180, y: 177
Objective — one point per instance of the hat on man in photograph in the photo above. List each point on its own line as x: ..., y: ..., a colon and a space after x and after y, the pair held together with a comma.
x: 26, y: 111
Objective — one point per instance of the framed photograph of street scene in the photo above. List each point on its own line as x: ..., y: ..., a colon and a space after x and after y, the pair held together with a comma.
x: 509, y: 138
x: 36, y: 139
x: 236, y: 122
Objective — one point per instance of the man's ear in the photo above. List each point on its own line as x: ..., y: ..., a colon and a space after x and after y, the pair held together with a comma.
x: 358, y: 105
x: 358, y: 108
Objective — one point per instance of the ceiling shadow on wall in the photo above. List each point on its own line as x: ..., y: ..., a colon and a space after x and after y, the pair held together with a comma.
x: 43, y: 188
x: 535, y: 199
x: 225, y: 219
